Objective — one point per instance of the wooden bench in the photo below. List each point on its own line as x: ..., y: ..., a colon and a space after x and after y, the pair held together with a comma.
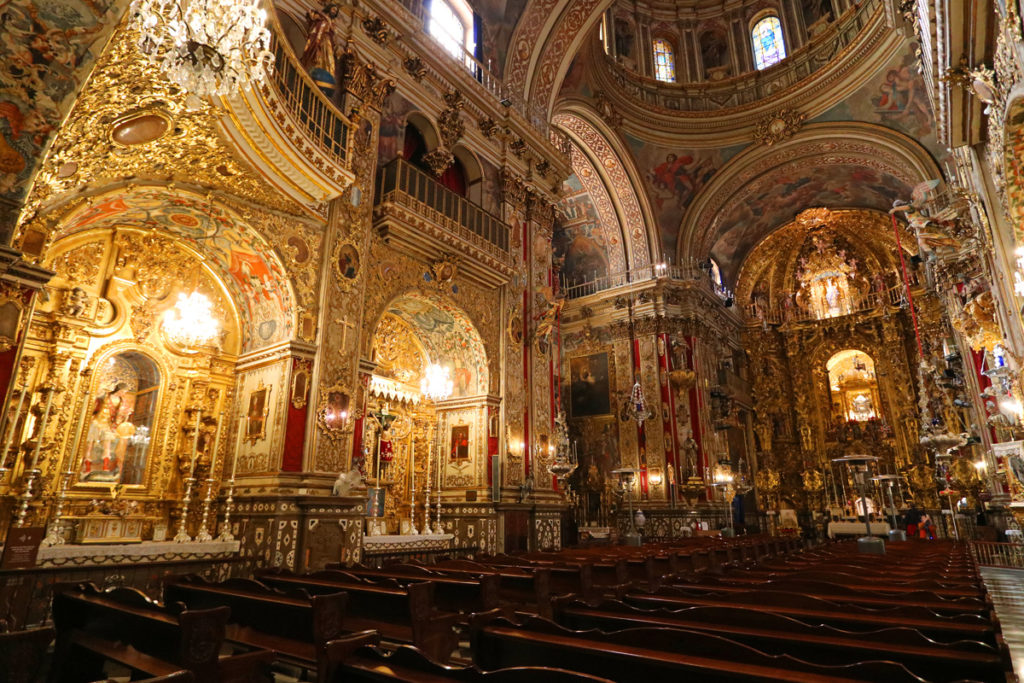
x: 22, y: 653
x: 358, y: 659
x: 463, y: 594
x: 654, y: 654
x: 817, y: 611
x: 124, y: 626
x: 402, y: 614
x: 296, y: 627
x: 776, y: 634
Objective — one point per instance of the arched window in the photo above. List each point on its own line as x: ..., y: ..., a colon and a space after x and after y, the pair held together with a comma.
x: 451, y: 24
x: 664, y: 61
x: 769, y: 47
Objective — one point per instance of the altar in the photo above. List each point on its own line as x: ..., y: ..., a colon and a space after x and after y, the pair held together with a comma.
x: 404, y: 547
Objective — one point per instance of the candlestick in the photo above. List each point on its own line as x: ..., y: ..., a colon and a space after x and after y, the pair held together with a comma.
x: 426, y: 498
x: 225, y: 534
x: 216, y: 444
x: 243, y: 427
x: 182, y: 536
x: 55, y: 534
x: 195, y: 440
x: 412, y: 493
x: 204, y: 535
x: 42, y: 428
x: 26, y: 496
x: 13, y: 424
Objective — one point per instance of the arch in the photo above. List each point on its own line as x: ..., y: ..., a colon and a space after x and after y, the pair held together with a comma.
x: 849, y: 165
x: 767, y: 40
x: 426, y: 128
x: 244, y: 262
x: 473, y: 171
x: 446, y: 335
x: 450, y: 23
x: 853, y: 384
x: 615, y: 166
x: 664, y: 60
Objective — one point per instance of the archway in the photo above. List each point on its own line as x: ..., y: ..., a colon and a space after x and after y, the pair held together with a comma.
x: 415, y: 442
x: 853, y: 387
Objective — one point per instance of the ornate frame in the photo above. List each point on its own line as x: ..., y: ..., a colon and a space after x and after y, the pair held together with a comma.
x: 11, y: 295
x: 302, y: 368
x: 346, y: 282
x: 249, y: 436
x: 334, y: 434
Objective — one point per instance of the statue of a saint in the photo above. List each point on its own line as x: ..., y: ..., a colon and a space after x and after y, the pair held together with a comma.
x: 690, y: 455
x: 109, y: 433
x: 318, y: 56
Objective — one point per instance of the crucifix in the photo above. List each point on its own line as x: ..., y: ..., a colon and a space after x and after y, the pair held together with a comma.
x: 346, y: 325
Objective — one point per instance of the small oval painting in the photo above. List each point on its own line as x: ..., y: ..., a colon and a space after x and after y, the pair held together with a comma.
x: 348, y: 262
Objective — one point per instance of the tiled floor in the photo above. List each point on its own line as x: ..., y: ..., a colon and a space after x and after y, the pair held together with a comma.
x: 1006, y: 586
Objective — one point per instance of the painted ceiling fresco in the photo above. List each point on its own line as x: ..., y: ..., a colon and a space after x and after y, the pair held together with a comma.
x: 449, y: 338
x: 588, y: 236
x: 775, y: 199
x: 250, y: 270
x: 46, y: 50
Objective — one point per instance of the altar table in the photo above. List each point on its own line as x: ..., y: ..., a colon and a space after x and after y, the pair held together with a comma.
x: 857, y: 529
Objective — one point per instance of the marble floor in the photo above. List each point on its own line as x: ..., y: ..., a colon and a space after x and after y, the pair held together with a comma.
x: 1006, y: 587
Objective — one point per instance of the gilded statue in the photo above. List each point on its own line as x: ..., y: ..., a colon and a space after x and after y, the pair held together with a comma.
x: 318, y: 56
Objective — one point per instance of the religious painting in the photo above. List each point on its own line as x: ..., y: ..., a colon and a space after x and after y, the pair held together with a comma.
x: 590, y: 388
x: 348, y: 262
x: 333, y: 417
x: 460, y: 443
x: 121, y: 419
x: 259, y: 409
x: 583, y: 238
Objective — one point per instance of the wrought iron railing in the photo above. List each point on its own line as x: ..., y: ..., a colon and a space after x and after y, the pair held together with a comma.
x: 694, y: 271
x: 755, y: 86
x: 401, y: 182
x: 991, y: 554
x: 325, y: 126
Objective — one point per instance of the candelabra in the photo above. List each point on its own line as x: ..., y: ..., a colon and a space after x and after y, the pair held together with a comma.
x: 55, y: 534
x: 26, y: 496
x: 426, y: 495
x: 204, y: 534
x: 225, y: 535
x: 182, y: 535
x: 437, y: 522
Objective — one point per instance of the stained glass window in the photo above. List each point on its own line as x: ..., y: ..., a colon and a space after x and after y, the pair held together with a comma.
x: 664, y: 61
x: 769, y: 47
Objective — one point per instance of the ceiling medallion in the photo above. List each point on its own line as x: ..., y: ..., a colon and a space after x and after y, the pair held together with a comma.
x: 207, y: 47
x: 138, y: 128
x: 778, y: 126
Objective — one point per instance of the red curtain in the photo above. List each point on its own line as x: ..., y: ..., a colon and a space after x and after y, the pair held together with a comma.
x: 455, y: 179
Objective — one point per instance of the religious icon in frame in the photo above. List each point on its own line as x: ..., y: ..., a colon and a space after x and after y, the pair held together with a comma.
x: 347, y: 264
x: 300, y: 384
x: 589, y: 385
x: 460, y: 443
x: 335, y: 411
x: 259, y: 409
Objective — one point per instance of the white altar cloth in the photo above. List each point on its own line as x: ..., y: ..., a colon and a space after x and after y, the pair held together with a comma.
x: 408, y: 542
x: 857, y: 529
x: 147, y: 551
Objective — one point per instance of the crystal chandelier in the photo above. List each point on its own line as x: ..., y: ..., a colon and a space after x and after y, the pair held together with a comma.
x: 436, y: 384
x: 207, y: 47
x: 190, y: 322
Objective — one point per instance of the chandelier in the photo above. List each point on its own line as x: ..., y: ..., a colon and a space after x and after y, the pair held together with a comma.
x: 190, y: 322
x: 436, y: 384
x: 207, y: 47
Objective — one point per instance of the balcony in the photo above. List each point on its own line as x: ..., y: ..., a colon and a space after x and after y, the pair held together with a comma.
x: 291, y: 132
x: 781, y: 314
x: 681, y: 273
x: 415, y: 211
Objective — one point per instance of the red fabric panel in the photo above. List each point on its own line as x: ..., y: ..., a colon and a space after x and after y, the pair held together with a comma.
x: 455, y: 179
x: 294, y: 434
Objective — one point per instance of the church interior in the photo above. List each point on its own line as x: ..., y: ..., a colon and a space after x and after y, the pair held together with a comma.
x: 507, y: 340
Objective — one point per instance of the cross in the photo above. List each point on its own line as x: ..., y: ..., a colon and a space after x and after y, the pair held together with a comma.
x: 346, y: 324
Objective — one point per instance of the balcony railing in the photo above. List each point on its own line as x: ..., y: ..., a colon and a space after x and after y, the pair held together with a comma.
x: 690, y: 271
x: 777, y: 315
x: 991, y: 554
x: 325, y: 126
x: 400, y: 181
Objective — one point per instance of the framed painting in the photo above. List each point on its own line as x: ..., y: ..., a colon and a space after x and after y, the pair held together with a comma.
x: 589, y: 385
x: 259, y: 408
x: 460, y: 443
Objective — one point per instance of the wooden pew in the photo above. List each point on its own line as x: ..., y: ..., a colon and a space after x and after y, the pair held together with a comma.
x: 654, y: 654
x: 296, y: 626
x: 575, y: 578
x: 125, y: 626
x: 22, y: 653
x: 775, y: 634
x: 358, y: 659
x: 817, y: 611
x: 403, y: 614
x: 464, y: 594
